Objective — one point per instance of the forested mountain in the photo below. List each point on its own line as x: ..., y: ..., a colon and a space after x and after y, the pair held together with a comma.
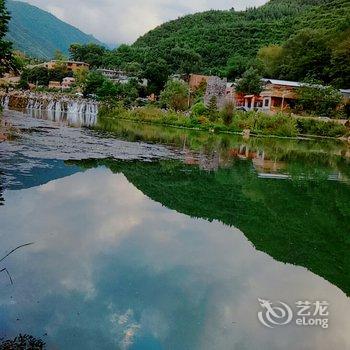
x: 39, y: 33
x: 207, y: 41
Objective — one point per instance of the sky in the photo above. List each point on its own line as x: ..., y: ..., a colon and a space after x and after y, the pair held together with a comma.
x: 123, y: 21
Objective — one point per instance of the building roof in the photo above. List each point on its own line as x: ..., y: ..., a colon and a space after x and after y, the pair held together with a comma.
x: 68, y: 61
x: 107, y: 70
x: 282, y: 82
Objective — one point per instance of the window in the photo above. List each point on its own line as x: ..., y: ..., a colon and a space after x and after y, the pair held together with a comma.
x: 267, y: 102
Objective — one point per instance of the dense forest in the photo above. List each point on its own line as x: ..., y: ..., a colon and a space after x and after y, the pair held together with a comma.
x: 286, y: 39
x: 317, y: 30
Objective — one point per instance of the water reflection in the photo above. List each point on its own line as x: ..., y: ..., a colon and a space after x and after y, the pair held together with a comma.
x: 152, y: 238
x: 304, y: 221
x: 271, y: 157
x: 105, y: 274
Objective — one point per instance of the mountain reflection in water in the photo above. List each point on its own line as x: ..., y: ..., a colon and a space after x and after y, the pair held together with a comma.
x: 168, y: 238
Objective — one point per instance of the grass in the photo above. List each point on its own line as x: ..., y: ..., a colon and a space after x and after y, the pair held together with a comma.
x: 282, y: 125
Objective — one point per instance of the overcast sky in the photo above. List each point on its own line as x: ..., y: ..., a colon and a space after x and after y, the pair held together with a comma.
x: 123, y: 21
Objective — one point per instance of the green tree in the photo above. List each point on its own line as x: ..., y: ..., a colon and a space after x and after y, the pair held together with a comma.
x: 59, y: 56
x: 80, y: 76
x: 133, y: 68
x: 225, y: 43
x: 199, y: 110
x: 6, y: 60
x: 340, y: 64
x: 122, y: 56
x: 185, y: 60
x: 157, y: 73
x: 175, y: 95
x: 94, y: 81
x: 108, y: 90
x: 37, y: 75
x: 59, y: 72
x: 227, y: 113
x: 92, y: 54
x: 129, y: 92
x: 321, y: 100
x: 213, y: 109
x: 307, y: 53
x: 270, y: 57
x: 236, y: 66
x: 250, y: 83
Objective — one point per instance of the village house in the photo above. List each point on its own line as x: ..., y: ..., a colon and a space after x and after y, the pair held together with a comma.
x: 72, y: 66
x: 346, y: 94
x: 112, y: 74
x: 230, y: 93
x: 221, y: 89
x: 9, y: 80
x: 121, y: 77
x: 67, y: 83
x: 277, y: 95
x: 55, y: 85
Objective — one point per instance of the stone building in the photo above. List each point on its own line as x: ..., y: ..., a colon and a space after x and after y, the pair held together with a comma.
x: 216, y: 88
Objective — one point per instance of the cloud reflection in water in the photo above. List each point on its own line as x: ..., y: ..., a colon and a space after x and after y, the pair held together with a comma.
x: 111, y: 268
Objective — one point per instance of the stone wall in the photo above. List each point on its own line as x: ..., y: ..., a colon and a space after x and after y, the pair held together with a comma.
x: 216, y: 87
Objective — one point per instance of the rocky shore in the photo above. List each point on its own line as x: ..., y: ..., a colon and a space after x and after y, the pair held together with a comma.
x: 7, y: 131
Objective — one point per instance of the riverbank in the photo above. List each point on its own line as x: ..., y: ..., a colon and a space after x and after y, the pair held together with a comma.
x: 7, y: 131
x: 246, y: 123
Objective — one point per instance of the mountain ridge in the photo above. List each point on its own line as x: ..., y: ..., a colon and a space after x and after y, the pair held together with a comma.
x: 218, y: 35
x: 27, y: 34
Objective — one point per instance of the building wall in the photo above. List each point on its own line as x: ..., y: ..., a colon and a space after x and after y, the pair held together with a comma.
x: 196, y: 80
x: 70, y: 65
x: 216, y: 87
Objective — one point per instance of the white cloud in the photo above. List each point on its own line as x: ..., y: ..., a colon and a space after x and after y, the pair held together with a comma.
x: 117, y: 21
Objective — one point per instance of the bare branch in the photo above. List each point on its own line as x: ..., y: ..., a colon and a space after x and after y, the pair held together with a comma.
x: 8, y: 274
x: 13, y: 250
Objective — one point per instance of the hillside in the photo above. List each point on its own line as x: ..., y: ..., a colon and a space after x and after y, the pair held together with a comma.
x: 39, y: 33
x: 218, y: 35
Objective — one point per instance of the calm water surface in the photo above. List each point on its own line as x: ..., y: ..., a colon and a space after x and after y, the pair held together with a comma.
x: 151, y: 238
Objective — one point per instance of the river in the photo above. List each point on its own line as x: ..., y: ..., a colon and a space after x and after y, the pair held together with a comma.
x: 157, y: 238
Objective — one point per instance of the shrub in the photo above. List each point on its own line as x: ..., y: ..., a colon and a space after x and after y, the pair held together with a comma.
x: 279, y: 124
x: 227, y: 113
x: 199, y: 110
x: 175, y: 95
x: 213, y: 109
x: 309, y: 126
x: 320, y: 100
x: 203, y: 120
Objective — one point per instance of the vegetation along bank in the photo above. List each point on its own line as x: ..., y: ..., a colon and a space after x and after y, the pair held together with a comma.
x: 229, y: 121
